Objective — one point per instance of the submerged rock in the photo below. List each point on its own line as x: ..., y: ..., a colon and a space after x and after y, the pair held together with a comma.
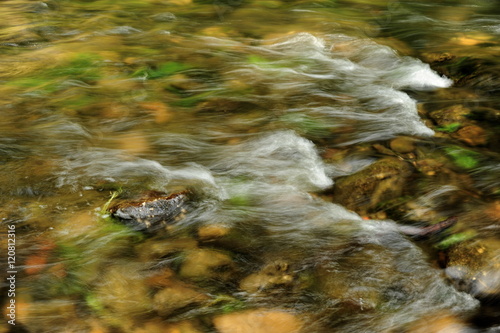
x: 473, y: 267
x: 274, y: 274
x: 154, y: 211
x: 381, y: 181
x: 201, y: 264
x: 175, y: 297
x: 442, y: 322
x: 258, y: 321
x: 403, y: 144
x: 449, y: 115
x: 472, y: 135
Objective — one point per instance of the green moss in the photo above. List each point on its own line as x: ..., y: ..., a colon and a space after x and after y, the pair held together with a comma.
x: 81, y: 67
x: 463, y: 158
x: 455, y: 239
x: 450, y: 128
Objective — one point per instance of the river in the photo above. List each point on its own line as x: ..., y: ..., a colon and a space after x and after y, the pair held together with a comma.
x: 316, y: 147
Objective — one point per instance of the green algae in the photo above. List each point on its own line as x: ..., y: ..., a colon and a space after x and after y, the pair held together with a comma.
x: 449, y: 128
x: 463, y: 158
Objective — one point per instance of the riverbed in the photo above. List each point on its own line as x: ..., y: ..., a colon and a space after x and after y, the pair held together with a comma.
x: 319, y: 146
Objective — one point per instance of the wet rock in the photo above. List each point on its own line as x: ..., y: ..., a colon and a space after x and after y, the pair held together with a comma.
x: 40, y: 316
x: 155, y: 210
x: 164, y: 17
x: 381, y: 181
x: 121, y: 291
x: 160, y: 326
x: 175, y: 297
x: 474, y: 267
x: 439, y: 323
x: 160, y: 111
x: 123, y: 30
x: 472, y: 135
x: 352, y: 297
x: 206, y: 264
x: 492, y: 211
x: 212, y: 231
x: 274, y: 274
x: 472, y: 72
x: 154, y: 250
x: 431, y: 57
x: 449, y: 115
x: 258, y: 321
x: 402, y: 144
x: 161, y: 279
x: 383, y: 150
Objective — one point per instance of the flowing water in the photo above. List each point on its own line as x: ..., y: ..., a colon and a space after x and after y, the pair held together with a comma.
x: 279, y: 118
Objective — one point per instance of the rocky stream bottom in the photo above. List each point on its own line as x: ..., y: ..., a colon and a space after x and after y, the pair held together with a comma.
x: 270, y: 220
x: 160, y: 262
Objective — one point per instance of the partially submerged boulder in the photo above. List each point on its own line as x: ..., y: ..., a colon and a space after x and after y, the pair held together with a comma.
x: 153, y: 211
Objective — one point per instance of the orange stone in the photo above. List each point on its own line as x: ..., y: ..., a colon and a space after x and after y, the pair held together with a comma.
x: 258, y: 321
x: 472, y: 135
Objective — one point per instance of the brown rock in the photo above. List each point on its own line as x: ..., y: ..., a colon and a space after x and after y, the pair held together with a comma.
x: 364, y: 190
x: 402, y: 144
x: 493, y: 211
x: 212, y: 231
x: 176, y: 296
x: 160, y: 111
x: 437, y: 57
x: 258, y: 321
x: 453, y: 114
x: 205, y: 263
x: 439, y: 323
x: 160, y: 326
x: 383, y: 150
x: 274, y: 274
x: 429, y: 166
x: 124, y: 297
x: 152, y: 250
x: 473, y: 267
x: 472, y: 135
